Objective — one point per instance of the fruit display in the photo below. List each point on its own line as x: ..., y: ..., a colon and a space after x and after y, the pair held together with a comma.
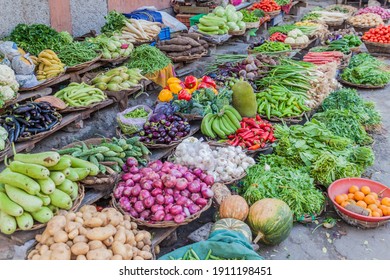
x: 163, y: 192
x: 271, y: 220
x: 221, y: 124
x: 48, y: 65
x: 92, y: 235
x: 27, y: 120
x: 36, y: 186
x: 79, y: 95
x: 266, y: 6
x: 369, y: 203
x: 119, y: 78
x: 110, y: 150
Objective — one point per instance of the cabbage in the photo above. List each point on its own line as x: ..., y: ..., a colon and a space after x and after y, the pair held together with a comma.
x: 299, y: 32
x: 233, y: 26
x: 219, y: 11
x: 289, y: 40
x: 241, y: 25
x: 300, y: 40
x: 229, y: 9
x: 240, y: 16
x: 232, y: 17
x: 293, y: 33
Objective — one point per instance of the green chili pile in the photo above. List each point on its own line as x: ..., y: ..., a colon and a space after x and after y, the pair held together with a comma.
x: 137, y: 113
x: 270, y: 46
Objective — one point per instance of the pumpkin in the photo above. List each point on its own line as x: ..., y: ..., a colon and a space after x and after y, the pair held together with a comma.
x: 235, y: 225
x: 220, y: 192
x: 271, y: 220
x: 235, y: 207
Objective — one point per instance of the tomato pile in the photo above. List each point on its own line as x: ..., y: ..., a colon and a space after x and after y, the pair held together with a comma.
x: 380, y: 34
x: 266, y: 6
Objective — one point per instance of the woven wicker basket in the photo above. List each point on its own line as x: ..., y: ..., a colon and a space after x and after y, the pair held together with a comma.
x: 267, y: 147
x: 163, y: 224
x: 83, y: 108
x: 359, y: 86
x: 273, y: 14
x: 300, y: 46
x: 250, y: 25
x: 115, y: 61
x: 189, y: 58
x: 352, y: 10
x: 362, y: 29
x: 237, y: 33
x: 289, y: 120
x: 43, y: 84
x: 360, y: 223
x: 6, y: 149
x: 82, y: 66
x: 75, y: 207
x: 378, y: 48
x: 334, y: 23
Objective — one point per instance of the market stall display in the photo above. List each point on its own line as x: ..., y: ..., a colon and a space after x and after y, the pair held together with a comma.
x: 92, y: 235
x: 384, y: 13
x: 330, y: 18
x: 113, y: 48
x: 296, y: 39
x: 138, y: 31
x: 252, y: 18
x: 377, y: 41
x: 78, y: 55
x: 270, y: 7
x: 48, y: 65
x: 272, y: 48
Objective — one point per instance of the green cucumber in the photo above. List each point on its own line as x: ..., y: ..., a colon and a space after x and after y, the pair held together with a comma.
x: 94, y: 160
x: 61, y: 165
x: 20, y: 181
x: 65, y: 171
x: 61, y: 199
x: 94, y: 151
x: 112, y: 147
x: 75, y: 191
x: 116, y: 159
x: 73, y: 175
x: 9, y: 207
x: 45, y: 199
x: 69, y: 151
x: 31, y: 170
x: 82, y: 172
x: 110, y: 154
x: 7, y: 223
x: 66, y: 186
x: 47, y: 185
x: 94, y: 170
x: 43, y: 215
x: 25, y: 221
x: 99, y: 156
x: 28, y: 202
x: 46, y: 159
x: 57, y: 177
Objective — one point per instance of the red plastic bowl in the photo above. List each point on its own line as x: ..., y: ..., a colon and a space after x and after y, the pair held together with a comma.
x: 342, y: 186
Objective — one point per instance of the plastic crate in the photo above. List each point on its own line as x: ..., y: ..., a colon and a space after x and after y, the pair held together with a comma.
x: 185, y: 19
x: 165, y: 34
x: 195, y: 19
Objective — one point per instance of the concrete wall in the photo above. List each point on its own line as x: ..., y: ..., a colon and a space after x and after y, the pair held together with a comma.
x: 85, y: 14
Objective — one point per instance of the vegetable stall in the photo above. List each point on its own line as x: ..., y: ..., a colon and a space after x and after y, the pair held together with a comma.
x: 253, y: 142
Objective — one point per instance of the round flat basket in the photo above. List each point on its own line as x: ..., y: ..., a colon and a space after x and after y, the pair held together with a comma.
x: 188, y: 58
x: 272, y: 14
x: 191, y: 117
x: 6, y: 149
x: 44, y: 83
x: 75, y: 207
x: 163, y: 224
x: 115, y: 61
x: 363, y: 29
x: 287, y: 120
x: 377, y: 48
x: 267, y: 146
x: 82, y: 66
x: 359, y: 86
x: 237, y: 33
x: 233, y: 181
x: 41, y: 135
x: 359, y: 223
x: 83, y: 108
x: 334, y: 23
x: 351, y: 10
x: 300, y: 46
x: 250, y: 25
x: 10, y: 102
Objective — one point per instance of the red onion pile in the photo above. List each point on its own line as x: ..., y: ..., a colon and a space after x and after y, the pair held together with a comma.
x: 163, y: 191
x: 385, y: 14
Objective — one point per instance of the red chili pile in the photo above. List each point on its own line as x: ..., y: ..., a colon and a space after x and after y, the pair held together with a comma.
x: 277, y: 36
x: 254, y: 134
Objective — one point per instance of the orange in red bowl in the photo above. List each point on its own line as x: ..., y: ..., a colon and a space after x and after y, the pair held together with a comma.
x: 342, y: 186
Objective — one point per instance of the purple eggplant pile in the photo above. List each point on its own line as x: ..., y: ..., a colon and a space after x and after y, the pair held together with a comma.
x: 163, y: 191
x: 164, y: 129
x: 23, y: 121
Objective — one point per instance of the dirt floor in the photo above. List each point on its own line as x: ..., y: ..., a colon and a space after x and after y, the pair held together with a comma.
x: 341, y: 242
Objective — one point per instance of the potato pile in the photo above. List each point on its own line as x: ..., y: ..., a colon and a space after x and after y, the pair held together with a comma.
x: 92, y: 235
x: 366, y: 20
x: 183, y: 47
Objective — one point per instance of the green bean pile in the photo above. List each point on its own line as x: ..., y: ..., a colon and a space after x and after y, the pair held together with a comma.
x: 148, y: 58
x: 77, y: 53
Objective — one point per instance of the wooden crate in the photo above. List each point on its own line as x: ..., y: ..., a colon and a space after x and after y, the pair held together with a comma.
x: 194, y: 10
x: 185, y: 19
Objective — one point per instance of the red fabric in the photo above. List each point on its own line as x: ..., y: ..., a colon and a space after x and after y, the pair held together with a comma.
x: 286, y: 8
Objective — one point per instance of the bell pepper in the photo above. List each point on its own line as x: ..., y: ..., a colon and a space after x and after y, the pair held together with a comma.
x: 173, y: 80
x: 175, y: 87
x: 208, y: 80
x: 190, y: 82
x: 165, y: 95
x: 204, y: 85
x: 184, y: 94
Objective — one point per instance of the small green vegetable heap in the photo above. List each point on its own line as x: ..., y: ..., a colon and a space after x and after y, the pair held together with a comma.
x: 307, y: 30
x: 275, y: 177
x: 120, y: 78
x: 349, y: 99
x: 252, y: 16
x: 79, y: 95
x: 366, y: 70
x: 35, y: 38
x: 77, y: 53
x: 270, y: 47
x: 112, y: 47
x: 191, y: 255
x: 330, y: 157
x: 137, y: 113
x: 148, y: 58
x: 116, y: 150
x: 311, y: 16
x: 353, y: 40
x: 114, y: 21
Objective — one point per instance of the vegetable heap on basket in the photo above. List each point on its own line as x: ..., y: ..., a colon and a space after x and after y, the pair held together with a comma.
x: 79, y: 95
x: 221, y: 21
x: 36, y: 186
x: 112, y: 47
x: 184, y: 47
x: 296, y: 37
x: 24, y: 121
x: 77, y: 53
x: 224, y: 164
x: 378, y: 35
x: 92, y: 235
x: 365, y: 69
x: 252, y: 16
x: 277, y: 36
x: 8, y: 84
x: 384, y: 13
x: 329, y: 157
x: 138, y: 30
x: 274, y: 177
x: 266, y: 6
x: 148, y: 58
x: 48, y: 65
x: 306, y: 29
x: 366, y: 20
x: 339, y: 34
x: 113, y: 150
x: 272, y: 46
x: 320, y: 58
x: 163, y: 192
x: 114, y: 22
x: 328, y: 16
x: 164, y: 129
x: 35, y: 38
x: 119, y: 78
x: 253, y: 134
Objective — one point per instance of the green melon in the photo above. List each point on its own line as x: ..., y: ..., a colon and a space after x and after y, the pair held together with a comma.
x: 244, y: 99
x: 235, y: 225
x: 271, y: 220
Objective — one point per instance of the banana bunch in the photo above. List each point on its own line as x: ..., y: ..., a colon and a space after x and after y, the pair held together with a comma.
x: 49, y: 65
x: 222, y: 124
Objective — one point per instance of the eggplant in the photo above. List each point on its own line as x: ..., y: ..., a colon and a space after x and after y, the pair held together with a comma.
x: 174, y: 129
x: 11, y: 135
x: 156, y: 135
x: 167, y: 139
x: 180, y: 134
x: 160, y: 140
x: 22, y: 121
x: 23, y: 108
x: 171, y: 134
x: 163, y: 134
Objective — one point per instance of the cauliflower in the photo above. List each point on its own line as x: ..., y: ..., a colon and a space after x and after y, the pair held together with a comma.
x: 6, y: 93
x: 7, y: 75
x: 8, y: 84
